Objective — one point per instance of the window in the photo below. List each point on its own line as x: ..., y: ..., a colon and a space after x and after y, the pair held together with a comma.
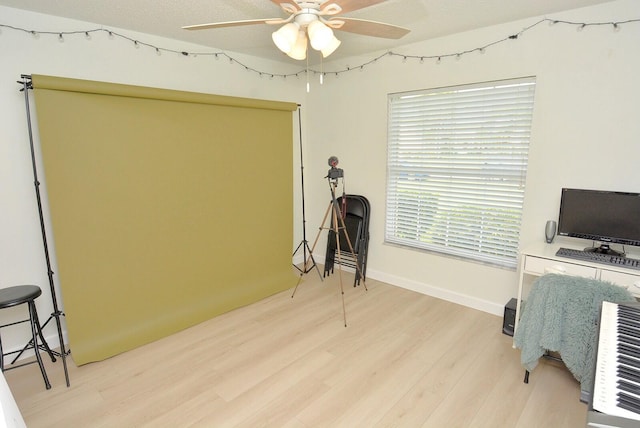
x: 457, y: 163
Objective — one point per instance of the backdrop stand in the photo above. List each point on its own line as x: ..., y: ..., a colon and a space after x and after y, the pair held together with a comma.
x: 308, y: 262
x: 56, y: 314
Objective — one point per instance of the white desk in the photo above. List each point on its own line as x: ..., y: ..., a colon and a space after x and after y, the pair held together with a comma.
x: 541, y: 258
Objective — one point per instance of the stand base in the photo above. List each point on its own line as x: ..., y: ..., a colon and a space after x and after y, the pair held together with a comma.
x: 604, y: 249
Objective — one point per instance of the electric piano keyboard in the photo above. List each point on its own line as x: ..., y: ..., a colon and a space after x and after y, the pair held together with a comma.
x: 616, y: 389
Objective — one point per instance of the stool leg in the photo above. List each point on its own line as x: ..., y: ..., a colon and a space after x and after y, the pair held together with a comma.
x: 42, y: 340
x: 34, y: 333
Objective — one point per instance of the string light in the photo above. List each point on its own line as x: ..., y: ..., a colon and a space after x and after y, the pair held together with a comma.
x: 580, y: 26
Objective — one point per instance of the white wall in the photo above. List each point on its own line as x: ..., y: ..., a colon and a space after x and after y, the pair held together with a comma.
x: 586, y: 131
x: 104, y: 59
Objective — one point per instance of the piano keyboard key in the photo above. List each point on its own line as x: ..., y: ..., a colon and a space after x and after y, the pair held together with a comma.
x: 616, y: 388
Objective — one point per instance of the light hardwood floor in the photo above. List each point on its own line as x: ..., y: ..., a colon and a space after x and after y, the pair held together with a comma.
x: 404, y: 360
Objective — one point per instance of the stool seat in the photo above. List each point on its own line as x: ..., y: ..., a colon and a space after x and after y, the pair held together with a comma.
x: 17, y: 295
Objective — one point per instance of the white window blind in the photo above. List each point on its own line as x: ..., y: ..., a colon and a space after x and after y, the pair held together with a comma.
x: 457, y: 163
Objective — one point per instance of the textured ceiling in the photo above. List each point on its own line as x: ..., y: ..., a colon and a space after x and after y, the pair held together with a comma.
x: 425, y: 18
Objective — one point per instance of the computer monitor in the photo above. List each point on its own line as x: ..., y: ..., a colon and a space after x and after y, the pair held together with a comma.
x: 603, y: 216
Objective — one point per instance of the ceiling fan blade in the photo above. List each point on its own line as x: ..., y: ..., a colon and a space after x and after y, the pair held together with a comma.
x: 348, y: 5
x: 289, y: 6
x: 367, y: 28
x: 236, y: 23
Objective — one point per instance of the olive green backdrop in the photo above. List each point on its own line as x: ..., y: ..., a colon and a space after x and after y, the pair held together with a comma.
x: 168, y: 207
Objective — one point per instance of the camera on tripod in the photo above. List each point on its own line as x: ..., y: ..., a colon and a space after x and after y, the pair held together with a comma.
x: 334, y: 173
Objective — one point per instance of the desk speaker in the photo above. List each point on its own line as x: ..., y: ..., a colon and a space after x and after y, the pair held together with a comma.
x: 509, y: 319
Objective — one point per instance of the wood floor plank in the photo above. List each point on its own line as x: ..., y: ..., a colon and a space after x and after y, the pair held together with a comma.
x: 404, y: 360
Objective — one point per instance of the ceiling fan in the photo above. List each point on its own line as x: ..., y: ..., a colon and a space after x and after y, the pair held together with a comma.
x: 314, y: 21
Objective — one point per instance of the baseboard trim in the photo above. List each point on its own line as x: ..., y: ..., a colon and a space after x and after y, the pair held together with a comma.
x: 429, y: 290
x: 440, y: 293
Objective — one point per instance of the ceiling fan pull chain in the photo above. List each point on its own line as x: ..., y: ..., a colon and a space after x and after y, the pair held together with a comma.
x: 308, y: 87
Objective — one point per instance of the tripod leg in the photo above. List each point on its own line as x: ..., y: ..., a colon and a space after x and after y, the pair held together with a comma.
x: 309, y: 262
x: 313, y: 263
x: 306, y: 261
x: 302, y: 272
x: 335, y: 228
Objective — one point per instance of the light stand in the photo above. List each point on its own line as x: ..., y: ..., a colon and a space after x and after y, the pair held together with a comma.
x: 56, y: 314
x: 309, y: 262
x: 336, y: 225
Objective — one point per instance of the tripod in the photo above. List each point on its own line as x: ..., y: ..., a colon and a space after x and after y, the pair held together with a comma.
x: 309, y: 262
x: 336, y: 226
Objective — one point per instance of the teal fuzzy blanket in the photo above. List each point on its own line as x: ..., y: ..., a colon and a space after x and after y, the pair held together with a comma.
x: 560, y: 315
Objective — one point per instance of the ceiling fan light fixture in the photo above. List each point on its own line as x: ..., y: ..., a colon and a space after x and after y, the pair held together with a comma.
x: 286, y: 37
x: 299, y: 50
x: 314, y: 22
x: 319, y: 35
x: 331, y: 47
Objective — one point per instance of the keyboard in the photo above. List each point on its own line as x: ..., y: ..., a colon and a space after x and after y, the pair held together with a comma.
x: 606, y: 259
x: 616, y: 390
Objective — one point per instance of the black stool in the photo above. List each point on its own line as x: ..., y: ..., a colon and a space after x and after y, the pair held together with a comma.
x: 14, y: 296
